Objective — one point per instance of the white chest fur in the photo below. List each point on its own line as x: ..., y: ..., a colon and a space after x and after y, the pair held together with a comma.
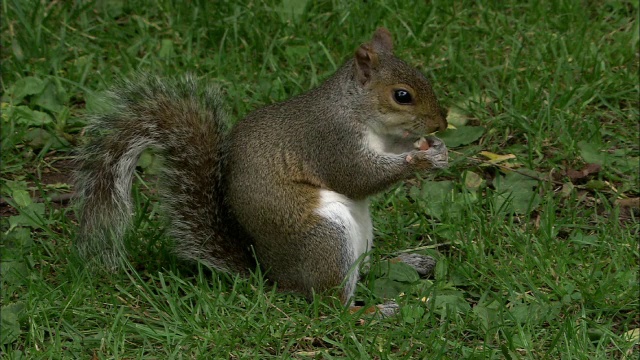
x: 352, y: 216
x: 382, y: 145
x: 376, y: 143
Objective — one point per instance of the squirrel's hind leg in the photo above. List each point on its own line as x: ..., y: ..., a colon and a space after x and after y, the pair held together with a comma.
x: 351, y: 221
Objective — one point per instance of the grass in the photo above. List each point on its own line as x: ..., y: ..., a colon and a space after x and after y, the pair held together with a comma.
x: 527, y: 268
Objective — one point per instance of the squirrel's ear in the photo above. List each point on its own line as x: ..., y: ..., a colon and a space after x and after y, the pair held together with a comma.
x: 382, y: 40
x: 367, y: 54
x: 366, y: 61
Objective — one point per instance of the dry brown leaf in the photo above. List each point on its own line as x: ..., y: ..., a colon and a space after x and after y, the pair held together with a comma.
x: 589, y: 169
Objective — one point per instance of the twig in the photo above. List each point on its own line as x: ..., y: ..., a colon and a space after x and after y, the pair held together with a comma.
x: 488, y: 162
x: 434, y: 246
x: 61, y: 198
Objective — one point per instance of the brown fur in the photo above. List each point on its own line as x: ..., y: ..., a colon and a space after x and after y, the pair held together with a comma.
x: 258, y: 186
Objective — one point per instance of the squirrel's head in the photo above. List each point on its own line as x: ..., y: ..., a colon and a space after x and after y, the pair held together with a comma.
x: 401, y: 93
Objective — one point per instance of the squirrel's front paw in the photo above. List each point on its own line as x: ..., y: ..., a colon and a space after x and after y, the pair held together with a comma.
x: 435, y: 156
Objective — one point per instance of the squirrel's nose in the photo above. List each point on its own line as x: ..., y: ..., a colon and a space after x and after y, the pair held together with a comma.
x: 438, y: 124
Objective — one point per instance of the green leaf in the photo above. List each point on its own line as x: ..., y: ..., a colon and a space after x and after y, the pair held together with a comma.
x: 10, y: 329
x: 166, y: 49
x: 591, y: 153
x: 438, y: 198
x: 39, y: 138
x: 403, y: 273
x: 96, y: 103
x: 27, y: 86
x: 52, y: 98
x: 25, y: 116
x: 580, y: 238
x: 16, y: 243
x: 515, y: 193
x: 396, y: 271
x: 30, y: 216
x: 488, y: 313
x: 521, y: 340
x: 411, y: 313
x: 487, y: 317
x: 534, y: 314
x: 21, y: 198
x: 392, y: 278
x: 291, y: 10
x: 461, y: 136
x: 454, y: 301
x: 14, y: 272
x: 386, y: 288
x: 506, y: 353
x: 596, y: 185
x: 628, y: 164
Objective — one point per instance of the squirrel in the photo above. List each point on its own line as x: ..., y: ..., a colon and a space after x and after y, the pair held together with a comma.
x: 285, y: 189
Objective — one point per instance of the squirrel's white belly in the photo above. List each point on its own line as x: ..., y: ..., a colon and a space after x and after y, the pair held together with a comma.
x: 353, y: 216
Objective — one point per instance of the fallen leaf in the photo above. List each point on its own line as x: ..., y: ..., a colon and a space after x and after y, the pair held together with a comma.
x: 567, y: 189
x: 472, y: 181
x: 457, y: 117
x: 628, y: 207
x: 592, y: 168
x: 630, y: 202
x: 596, y: 185
x: 588, y: 169
x: 633, y: 335
x: 496, y: 158
x: 312, y: 353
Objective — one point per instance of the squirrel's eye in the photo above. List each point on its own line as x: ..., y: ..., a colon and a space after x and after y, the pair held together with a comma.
x: 402, y: 97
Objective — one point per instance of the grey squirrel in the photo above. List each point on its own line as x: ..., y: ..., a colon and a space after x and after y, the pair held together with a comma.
x: 285, y: 188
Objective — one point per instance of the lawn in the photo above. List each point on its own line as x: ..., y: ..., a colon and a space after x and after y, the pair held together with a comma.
x: 534, y: 225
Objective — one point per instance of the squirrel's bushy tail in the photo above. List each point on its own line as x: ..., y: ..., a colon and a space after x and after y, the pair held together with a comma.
x: 185, y: 124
